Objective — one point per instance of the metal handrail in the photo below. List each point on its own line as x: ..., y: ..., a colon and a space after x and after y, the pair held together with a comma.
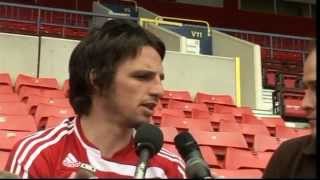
x: 188, y: 20
x: 157, y: 22
x: 263, y: 33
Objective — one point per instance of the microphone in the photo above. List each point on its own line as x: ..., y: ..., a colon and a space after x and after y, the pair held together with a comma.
x: 148, y: 142
x: 189, y: 150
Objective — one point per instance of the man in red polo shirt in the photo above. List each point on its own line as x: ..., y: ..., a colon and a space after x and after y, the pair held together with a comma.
x: 115, y: 81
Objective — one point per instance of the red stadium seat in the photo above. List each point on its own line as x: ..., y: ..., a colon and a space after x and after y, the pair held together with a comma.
x: 216, y: 118
x: 237, y: 174
x: 9, y: 98
x: 26, y: 91
x: 5, y: 79
x: 167, y: 113
x: 5, y: 89
x: 186, y: 107
x: 221, y: 108
x: 169, y: 133
x: 186, y: 123
x: 183, y: 96
x: 250, y: 119
x: 287, y: 55
x: 199, y: 114
x: 179, y: 123
x: 293, y: 108
x: 290, y: 81
x: 5, y: 84
x: 53, y: 121
x: 219, y: 140
x: 270, y: 78
x: 35, y: 100
x: 13, y: 108
x: 271, y: 123
x: 265, y: 143
x: 4, y: 156
x: 245, y: 110
x: 244, y: 159
x: 251, y: 130
x: 172, y: 113
x: 304, y: 131
x: 229, y: 127
x: 199, y: 124
x: 207, y: 98
x: 9, y: 138
x: 286, y: 132
x: 211, y: 100
x: 18, y: 123
x: 25, y: 80
x: 44, y: 111
x: 210, y: 157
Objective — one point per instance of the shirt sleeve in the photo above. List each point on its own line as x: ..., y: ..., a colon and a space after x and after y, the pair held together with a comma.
x: 177, y: 170
x: 28, y: 164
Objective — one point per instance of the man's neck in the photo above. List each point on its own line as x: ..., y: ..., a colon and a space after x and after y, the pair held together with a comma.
x: 107, y: 136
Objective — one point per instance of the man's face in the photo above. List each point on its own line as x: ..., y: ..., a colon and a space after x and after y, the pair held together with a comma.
x: 136, y: 89
x: 309, y: 81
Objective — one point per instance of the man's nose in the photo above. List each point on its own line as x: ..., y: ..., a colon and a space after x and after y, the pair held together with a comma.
x: 307, y: 103
x: 157, y: 89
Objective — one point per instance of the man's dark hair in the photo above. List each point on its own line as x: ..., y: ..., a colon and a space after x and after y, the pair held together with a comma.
x: 100, y: 54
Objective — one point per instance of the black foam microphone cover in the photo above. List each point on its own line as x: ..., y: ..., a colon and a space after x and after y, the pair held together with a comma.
x: 186, y: 144
x: 189, y: 150
x: 150, y: 137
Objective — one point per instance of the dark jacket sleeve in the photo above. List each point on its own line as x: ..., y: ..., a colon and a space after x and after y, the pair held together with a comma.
x: 273, y: 168
x: 283, y: 159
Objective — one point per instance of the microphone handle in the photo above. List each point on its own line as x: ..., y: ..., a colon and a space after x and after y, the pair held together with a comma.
x: 142, y: 165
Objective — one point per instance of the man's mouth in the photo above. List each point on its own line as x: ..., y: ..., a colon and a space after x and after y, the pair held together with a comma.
x: 150, y: 106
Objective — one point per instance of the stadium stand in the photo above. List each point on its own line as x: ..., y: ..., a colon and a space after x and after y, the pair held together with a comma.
x: 17, y: 123
x: 244, y: 159
x: 235, y: 142
x: 239, y: 173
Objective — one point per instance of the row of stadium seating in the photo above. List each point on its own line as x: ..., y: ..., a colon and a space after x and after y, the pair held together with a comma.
x: 279, y: 55
x: 231, y: 138
x: 234, y: 142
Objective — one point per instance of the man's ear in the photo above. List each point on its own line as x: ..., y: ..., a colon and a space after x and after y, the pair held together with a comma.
x: 92, y: 77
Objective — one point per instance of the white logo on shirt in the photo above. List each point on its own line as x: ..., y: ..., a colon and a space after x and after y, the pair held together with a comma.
x: 71, y: 161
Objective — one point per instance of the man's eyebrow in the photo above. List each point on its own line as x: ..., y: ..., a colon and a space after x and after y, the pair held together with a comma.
x: 146, y: 71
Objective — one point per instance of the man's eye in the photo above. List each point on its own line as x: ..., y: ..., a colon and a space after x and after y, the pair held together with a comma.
x: 143, y: 77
